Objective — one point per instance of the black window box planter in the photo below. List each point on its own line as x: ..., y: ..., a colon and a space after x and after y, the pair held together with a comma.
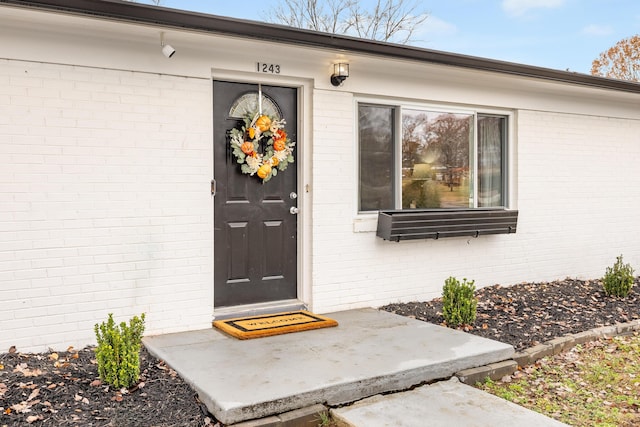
x: 412, y: 224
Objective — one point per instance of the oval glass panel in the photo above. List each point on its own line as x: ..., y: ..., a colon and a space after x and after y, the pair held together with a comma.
x: 247, y: 105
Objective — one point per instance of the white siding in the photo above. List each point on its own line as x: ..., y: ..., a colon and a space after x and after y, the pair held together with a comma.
x: 104, y: 202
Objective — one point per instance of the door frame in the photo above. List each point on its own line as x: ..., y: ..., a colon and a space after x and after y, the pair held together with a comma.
x: 302, y: 167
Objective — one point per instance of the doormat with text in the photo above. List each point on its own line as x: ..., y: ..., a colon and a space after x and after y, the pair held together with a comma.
x: 273, y: 324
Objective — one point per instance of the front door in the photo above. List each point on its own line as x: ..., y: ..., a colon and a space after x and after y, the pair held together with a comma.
x: 255, y: 222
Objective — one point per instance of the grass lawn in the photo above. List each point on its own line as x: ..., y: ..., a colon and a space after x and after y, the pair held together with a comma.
x: 594, y: 384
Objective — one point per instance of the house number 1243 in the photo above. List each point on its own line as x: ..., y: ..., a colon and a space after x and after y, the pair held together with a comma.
x: 268, y: 68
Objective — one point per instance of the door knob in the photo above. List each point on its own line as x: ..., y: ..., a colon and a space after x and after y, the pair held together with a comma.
x: 293, y: 210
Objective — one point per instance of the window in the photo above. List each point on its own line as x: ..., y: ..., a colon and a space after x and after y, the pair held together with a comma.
x: 436, y: 159
x: 376, y: 141
x: 249, y: 103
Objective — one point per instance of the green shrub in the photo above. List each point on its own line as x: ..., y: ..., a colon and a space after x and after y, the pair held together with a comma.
x: 118, y: 351
x: 618, y: 280
x: 459, y: 303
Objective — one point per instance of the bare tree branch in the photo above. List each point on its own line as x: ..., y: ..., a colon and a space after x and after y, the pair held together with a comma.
x: 388, y: 20
x: 318, y: 15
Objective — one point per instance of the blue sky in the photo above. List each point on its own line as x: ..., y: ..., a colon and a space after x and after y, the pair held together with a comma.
x: 560, y: 34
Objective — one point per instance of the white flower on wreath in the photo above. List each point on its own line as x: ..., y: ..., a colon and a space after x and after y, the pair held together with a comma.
x: 254, y: 163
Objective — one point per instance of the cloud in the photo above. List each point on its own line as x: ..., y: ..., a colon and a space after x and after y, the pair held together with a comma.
x: 597, y: 30
x: 520, y: 7
x: 433, y: 31
x: 436, y: 26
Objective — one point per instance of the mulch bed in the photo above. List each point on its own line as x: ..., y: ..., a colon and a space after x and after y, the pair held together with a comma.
x: 63, y: 389
x: 527, y: 314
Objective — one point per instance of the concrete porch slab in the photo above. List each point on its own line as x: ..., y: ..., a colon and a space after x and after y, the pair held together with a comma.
x: 443, y: 404
x: 369, y: 353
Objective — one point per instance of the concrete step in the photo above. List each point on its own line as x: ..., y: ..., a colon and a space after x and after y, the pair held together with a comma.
x: 369, y: 353
x: 442, y: 404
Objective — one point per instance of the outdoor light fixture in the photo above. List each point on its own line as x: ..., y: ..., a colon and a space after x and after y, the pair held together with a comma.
x: 167, y: 49
x: 340, y: 73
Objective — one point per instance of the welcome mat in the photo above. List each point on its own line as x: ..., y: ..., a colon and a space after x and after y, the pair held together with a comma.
x: 273, y: 324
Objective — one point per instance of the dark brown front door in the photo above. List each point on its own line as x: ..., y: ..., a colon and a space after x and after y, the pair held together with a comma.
x: 255, y: 234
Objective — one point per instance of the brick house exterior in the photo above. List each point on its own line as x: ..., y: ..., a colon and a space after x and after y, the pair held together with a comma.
x: 106, y: 158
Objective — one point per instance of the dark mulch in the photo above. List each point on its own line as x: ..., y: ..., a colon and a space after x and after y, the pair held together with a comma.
x: 62, y: 389
x: 527, y: 314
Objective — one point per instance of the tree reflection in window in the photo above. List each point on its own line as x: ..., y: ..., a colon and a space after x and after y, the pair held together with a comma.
x: 439, y: 159
x: 436, y: 157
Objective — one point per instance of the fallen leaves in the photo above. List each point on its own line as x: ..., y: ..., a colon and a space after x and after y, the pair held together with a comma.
x: 527, y: 314
x: 592, y: 384
x: 33, y: 418
x: 25, y: 406
x: 68, y: 392
x: 164, y: 367
x: 60, y: 364
x: 34, y: 394
x: 65, y: 361
x: 22, y: 407
x: 48, y: 407
x: 79, y: 398
x: 25, y: 397
x: 137, y: 387
x: 24, y: 370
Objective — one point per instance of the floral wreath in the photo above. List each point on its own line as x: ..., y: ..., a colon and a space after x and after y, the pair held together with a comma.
x: 262, y: 146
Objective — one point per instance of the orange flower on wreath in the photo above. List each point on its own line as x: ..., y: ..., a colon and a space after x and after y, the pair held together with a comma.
x: 279, y: 134
x: 247, y: 147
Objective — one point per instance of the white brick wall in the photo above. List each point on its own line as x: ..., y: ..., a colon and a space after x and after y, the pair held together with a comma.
x: 578, y: 189
x: 104, y: 202
x: 577, y: 201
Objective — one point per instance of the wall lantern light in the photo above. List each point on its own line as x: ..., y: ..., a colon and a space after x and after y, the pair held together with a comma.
x: 340, y: 73
x: 167, y: 49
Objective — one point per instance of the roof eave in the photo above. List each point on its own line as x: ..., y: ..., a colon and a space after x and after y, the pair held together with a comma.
x: 173, y: 18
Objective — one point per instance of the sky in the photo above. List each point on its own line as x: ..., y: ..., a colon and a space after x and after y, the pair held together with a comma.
x: 558, y: 34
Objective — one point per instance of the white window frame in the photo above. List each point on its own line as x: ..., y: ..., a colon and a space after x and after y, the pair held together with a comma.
x: 401, y: 105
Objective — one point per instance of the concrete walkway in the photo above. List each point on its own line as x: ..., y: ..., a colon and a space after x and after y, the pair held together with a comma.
x: 369, y: 353
x: 443, y: 404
